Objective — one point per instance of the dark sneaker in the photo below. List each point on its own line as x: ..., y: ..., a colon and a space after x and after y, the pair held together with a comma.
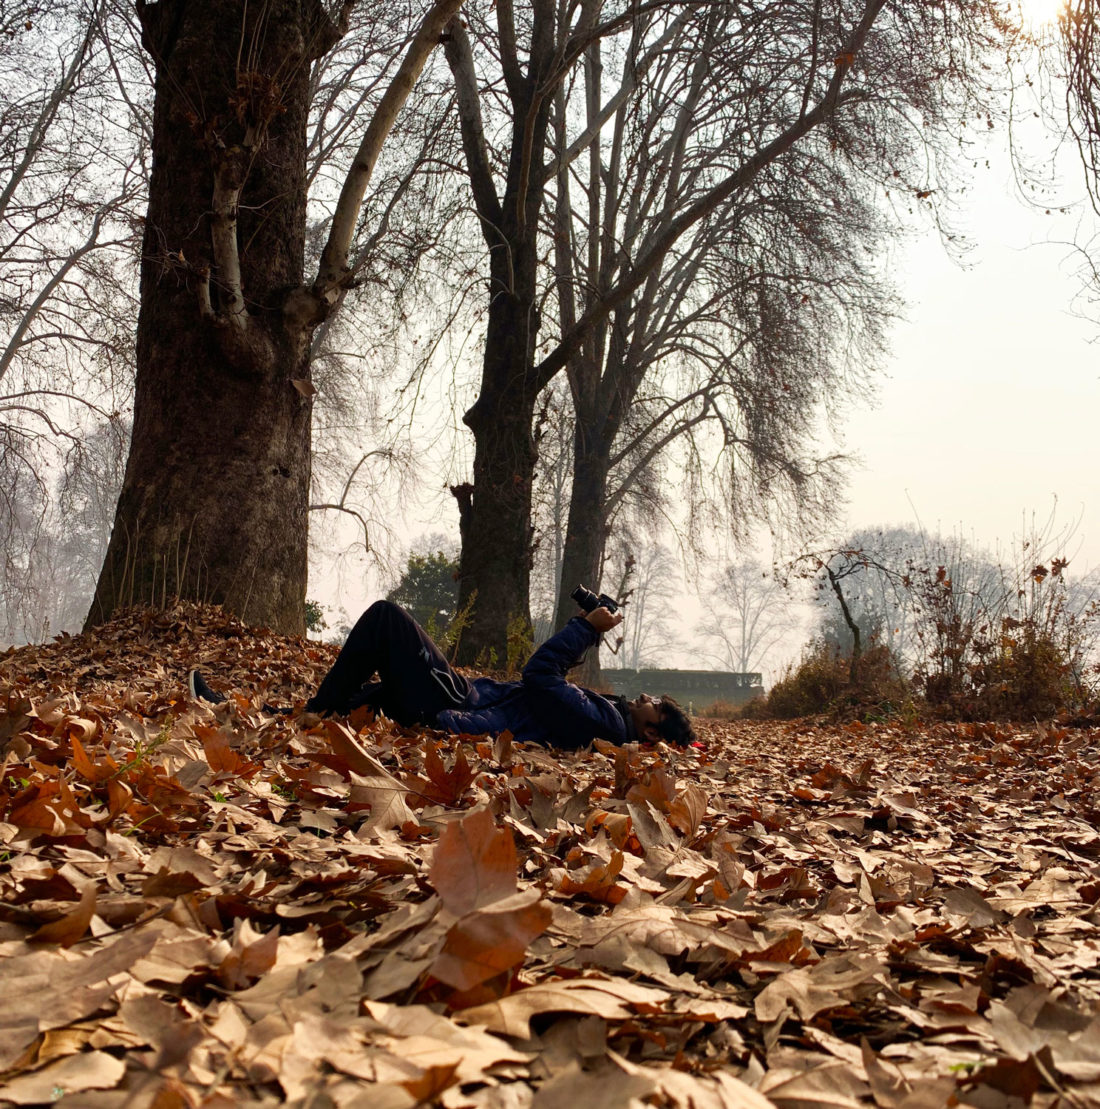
x: 196, y: 683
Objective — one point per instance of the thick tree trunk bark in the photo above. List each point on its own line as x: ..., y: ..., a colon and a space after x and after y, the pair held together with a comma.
x: 495, y: 568
x: 215, y: 496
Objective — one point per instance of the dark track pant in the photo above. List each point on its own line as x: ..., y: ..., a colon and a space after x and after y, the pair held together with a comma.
x: 416, y: 681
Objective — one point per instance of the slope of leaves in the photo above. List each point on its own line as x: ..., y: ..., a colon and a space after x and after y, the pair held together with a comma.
x: 228, y: 908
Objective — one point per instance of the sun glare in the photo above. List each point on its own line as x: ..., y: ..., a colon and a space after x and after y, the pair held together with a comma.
x: 1040, y: 13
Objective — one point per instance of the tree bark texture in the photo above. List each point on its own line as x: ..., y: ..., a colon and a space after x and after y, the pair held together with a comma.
x: 214, y: 500
x: 495, y: 567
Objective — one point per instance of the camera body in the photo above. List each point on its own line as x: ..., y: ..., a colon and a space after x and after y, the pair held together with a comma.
x: 587, y: 600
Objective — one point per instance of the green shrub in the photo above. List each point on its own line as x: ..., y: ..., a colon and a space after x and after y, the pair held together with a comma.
x: 315, y: 617
x: 428, y: 590
x: 520, y: 642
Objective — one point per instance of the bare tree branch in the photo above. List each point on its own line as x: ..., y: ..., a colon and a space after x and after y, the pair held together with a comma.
x: 333, y: 269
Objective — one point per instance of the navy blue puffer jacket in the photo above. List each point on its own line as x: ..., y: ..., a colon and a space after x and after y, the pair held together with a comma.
x: 543, y: 707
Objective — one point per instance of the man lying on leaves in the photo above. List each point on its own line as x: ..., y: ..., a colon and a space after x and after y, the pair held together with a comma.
x: 418, y: 686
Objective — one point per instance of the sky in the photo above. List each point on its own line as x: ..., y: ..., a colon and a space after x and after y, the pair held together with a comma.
x: 985, y: 422
x: 986, y: 419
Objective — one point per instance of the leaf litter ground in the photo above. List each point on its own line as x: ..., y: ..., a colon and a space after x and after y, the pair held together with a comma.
x: 222, y: 907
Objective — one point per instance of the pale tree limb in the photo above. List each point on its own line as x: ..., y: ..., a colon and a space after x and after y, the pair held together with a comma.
x: 593, y: 78
x: 378, y: 234
x: 223, y: 240
x: 333, y: 269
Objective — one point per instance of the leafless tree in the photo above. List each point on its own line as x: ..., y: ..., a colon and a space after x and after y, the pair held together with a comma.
x: 655, y: 585
x: 754, y: 321
x: 71, y: 187
x: 749, y: 612
x: 866, y: 82
x: 876, y: 562
x: 54, y: 546
x: 72, y: 149
x: 80, y: 98
x: 844, y: 575
x: 926, y: 598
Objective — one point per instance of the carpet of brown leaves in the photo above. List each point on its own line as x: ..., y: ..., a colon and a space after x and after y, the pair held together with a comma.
x: 228, y: 908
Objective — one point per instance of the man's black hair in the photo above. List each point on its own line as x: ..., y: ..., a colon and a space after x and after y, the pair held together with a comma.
x: 675, y: 727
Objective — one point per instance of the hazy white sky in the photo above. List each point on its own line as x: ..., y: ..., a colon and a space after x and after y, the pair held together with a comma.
x: 989, y: 409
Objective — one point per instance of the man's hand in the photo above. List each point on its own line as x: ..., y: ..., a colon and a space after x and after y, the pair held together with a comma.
x: 603, y: 619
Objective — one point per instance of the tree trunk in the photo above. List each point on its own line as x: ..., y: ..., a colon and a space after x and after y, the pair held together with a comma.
x: 853, y: 627
x: 495, y: 568
x: 585, y: 533
x: 214, y: 500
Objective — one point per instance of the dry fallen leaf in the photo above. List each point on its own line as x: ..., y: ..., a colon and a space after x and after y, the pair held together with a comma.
x: 608, y: 998
x: 92, y: 1070
x: 72, y: 926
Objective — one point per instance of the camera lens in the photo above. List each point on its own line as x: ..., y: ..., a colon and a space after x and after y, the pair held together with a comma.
x: 585, y: 598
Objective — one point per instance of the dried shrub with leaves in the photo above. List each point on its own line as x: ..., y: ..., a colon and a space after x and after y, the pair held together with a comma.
x: 809, y: 687
x: 978, y: 639
x: 1023, y: 653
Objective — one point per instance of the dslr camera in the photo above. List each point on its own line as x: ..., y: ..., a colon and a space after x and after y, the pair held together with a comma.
x: 589, y: 601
